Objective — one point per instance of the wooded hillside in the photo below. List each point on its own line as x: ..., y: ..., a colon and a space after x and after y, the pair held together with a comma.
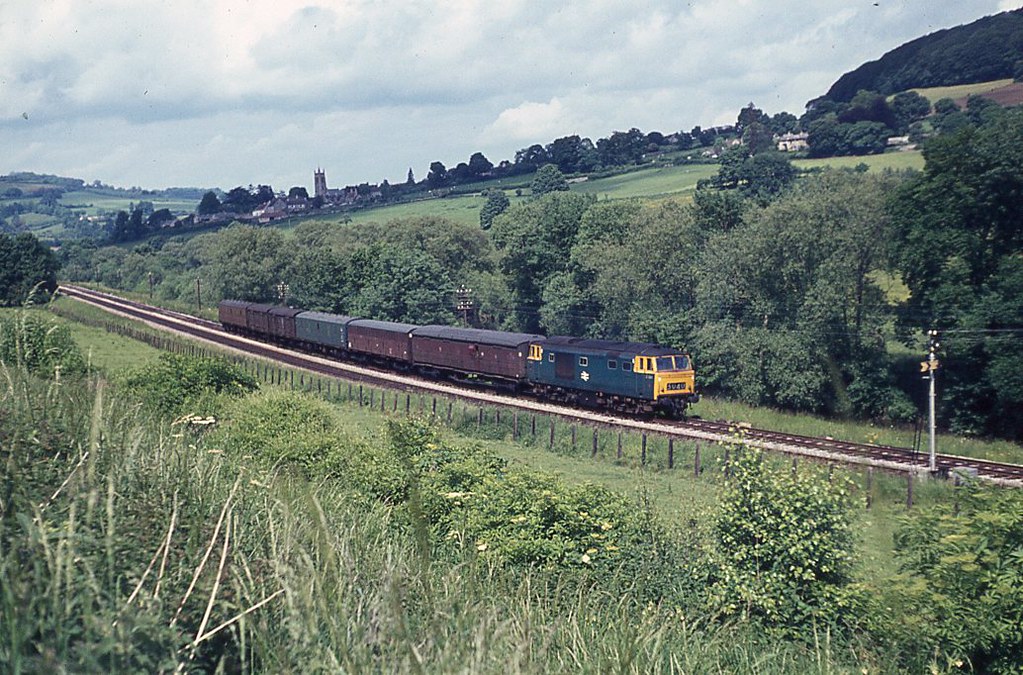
x: 987, y: 49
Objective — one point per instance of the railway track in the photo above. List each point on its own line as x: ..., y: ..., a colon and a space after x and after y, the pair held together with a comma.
x: 826, y: 449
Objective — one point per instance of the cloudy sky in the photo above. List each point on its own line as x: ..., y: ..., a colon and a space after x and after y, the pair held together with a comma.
x: 218, y: 93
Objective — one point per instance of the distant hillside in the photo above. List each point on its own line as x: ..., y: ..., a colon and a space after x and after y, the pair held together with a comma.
x: 987, y: 49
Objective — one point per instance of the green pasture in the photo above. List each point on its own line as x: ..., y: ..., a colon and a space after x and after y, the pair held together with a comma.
x: 92, y: 203
x: 648, y: 182
x: 933, y: 94
x: 463, y: 209
x: 103, y: 350
x: 895, y: 161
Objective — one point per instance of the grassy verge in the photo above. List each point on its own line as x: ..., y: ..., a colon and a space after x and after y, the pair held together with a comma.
x: 145, y: 549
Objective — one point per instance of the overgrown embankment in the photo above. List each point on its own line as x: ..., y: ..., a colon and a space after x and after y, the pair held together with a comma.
x: 175, y: 518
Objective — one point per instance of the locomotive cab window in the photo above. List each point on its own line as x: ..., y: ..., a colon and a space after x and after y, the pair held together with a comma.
x: 612, y: 364
x: 665, y: 363
x: 626, y: 365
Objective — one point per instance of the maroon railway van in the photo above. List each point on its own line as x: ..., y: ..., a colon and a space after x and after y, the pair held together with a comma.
x: 471, y: 350
x: 381, y: 339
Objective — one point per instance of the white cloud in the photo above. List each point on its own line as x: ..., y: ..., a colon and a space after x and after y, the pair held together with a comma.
x: 227, y: 92
x: 529, y: 121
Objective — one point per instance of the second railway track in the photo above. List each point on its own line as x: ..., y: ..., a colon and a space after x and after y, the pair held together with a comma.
x: 823, y: 449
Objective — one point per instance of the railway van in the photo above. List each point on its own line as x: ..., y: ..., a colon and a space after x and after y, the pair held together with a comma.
x: 326, y: 333
x: 473, y: 351
x: 384, y: 341
x: 232, y: 315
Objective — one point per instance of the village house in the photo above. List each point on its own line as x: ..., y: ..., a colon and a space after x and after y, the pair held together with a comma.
x: 792, y: 142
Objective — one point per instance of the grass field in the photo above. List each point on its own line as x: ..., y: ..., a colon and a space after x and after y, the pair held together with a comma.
x: 102, y: 350
x: 890, y: 160
x: 92, y: 202
x: 648, y: 182
x: 680, y: 497
x: 933, y: 94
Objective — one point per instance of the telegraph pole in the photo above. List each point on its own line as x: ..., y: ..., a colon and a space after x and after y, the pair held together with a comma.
x: 198, y: 294
x: 930, y: 366
x: 150, y: 287
x: 464, y: 303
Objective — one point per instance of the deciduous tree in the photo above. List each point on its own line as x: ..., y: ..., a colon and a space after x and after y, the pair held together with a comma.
x: 25, y: 264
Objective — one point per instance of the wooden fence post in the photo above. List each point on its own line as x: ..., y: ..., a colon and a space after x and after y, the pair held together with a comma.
x: 642, y: 454
x: 671, y: 453
x: 593, y: 453
x: 360, y: 395
x: 696, y: 462
x: 870, y: 486
x: 515, y: 426
x: 551, y: 443
x: 909, y: 490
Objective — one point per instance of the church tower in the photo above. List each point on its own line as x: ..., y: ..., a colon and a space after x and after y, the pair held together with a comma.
x: 320, y: 184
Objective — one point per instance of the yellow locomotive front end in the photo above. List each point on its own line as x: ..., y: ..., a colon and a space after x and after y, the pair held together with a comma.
x: 674, y: 382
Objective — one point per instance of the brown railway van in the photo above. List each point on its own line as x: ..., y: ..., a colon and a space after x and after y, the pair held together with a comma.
x: 473, y: 350
x: 282, y: 322
x: 232, y: 313
x: 383, y: 339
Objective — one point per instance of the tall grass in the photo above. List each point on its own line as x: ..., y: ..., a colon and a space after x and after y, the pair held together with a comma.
x: 129, y: 546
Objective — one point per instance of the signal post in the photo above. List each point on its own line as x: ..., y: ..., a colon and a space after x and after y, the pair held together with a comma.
x: 930, y: 366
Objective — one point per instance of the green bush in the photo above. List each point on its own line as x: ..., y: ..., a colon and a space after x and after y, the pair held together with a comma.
x: 785, y: 545
x: 40, y: 345
x: 282, y: 429
x: 443, y: 475
x: 964, y: 591
x: 178, y: 385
